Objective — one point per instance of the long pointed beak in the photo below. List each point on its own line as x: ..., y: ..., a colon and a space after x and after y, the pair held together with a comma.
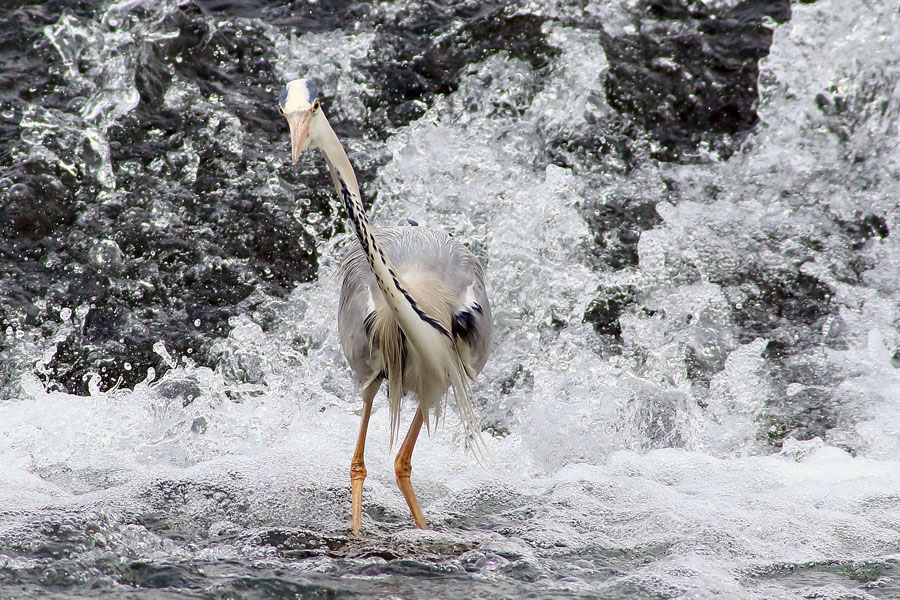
x: 299, y: 123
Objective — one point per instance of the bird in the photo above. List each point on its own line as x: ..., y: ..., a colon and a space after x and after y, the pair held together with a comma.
x: 413, y: 308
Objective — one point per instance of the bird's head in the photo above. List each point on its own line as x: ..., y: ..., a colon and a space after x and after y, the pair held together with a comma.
x: 299, y: 104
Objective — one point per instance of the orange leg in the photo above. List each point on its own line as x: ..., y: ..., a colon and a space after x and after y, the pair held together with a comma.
x: 357, y: 465
x: 403, y: 467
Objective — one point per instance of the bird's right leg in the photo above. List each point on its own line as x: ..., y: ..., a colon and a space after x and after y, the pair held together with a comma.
x: 357, y: 465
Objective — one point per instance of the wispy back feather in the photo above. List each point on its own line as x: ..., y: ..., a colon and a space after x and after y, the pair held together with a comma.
x: 428, y: 372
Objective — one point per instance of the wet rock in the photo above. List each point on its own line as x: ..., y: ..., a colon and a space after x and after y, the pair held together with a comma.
x: 434, y: 43
x: 617, y: 224
x: 604, y: 311
x: 689, y: 73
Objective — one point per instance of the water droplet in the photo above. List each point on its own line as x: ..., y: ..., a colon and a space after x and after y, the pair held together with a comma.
x: 107, y: 257
x: 76, y: 104
x: 160, y: 348
x: 94, y: 384
x: 65, y: 314
x: 19, y: 191
x: 199, y: 425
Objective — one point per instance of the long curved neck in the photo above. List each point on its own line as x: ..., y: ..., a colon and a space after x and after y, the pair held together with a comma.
x: 407, y: 311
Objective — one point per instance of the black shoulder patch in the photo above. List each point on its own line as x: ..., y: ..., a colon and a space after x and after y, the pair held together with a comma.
x: 464, y: 325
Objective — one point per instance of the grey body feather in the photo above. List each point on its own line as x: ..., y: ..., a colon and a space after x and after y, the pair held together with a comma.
x: 446, y: 278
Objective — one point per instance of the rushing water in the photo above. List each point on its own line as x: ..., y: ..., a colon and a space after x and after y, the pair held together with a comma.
x: 688, y: 217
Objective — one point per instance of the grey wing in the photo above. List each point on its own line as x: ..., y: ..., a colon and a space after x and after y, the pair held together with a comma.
x: 456, y: 267
x: 355, y: 311
x: 416, y: 248
x: 472, y: 322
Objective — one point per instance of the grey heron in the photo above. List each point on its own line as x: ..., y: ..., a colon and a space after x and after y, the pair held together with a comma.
x: 413, y: 308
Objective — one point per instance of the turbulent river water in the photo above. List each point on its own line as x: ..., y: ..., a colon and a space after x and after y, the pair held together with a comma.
x: 688, y: 213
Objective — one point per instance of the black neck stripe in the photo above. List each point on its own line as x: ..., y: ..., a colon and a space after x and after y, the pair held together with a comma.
x: 360, y: 224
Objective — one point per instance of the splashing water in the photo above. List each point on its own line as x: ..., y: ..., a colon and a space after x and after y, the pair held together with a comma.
x: 735, y: 434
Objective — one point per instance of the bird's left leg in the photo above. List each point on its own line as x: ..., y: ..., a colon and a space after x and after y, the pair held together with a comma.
x: 403, y: 468
x: 357, y: 465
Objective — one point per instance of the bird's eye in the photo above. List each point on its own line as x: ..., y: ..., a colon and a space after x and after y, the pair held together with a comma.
x: 316, y: 105
x: 280, y: 110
